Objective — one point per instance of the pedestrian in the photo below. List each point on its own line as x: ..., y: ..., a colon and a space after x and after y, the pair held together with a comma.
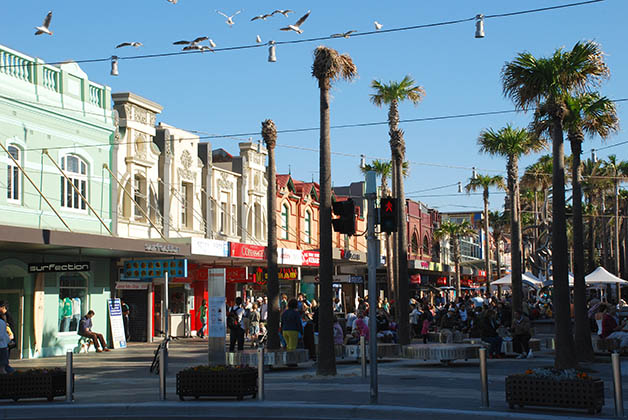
x: 254, y: 320
x: 264, y: 310
x: 521, y: 335
x: 6, y: 316
x: 339, y: 334
x: 234, y: 322
x: 125, y: 319
x: 85, y: 330
x: 488, y: 328
x: 4, y: 349
x: 291, y: 325
x: 203, y: 318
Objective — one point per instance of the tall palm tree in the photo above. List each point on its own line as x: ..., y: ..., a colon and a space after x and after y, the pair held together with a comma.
x: 592, y: 184
x: 269, y: 134
x: 617, y: 169
x: 530, y: 81
x: 382, y: 169
x: 454, y: 232
x: 591, y: 114
x: 512, y: 143
x: 484, y: 182
x: 391, y: 94
x: 499, y: 222
x: 328, y: 67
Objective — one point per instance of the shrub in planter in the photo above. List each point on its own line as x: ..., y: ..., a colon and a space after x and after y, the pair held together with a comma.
x: 217, y: 381
x: 567, y: 388
x: 33, y: 383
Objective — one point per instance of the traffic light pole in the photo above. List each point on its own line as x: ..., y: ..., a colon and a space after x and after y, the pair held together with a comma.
x: 372, y: 253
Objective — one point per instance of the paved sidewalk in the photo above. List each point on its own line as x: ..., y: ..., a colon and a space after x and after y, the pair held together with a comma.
x: 122, y: 377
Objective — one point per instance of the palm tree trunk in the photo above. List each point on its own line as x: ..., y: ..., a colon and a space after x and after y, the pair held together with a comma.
x: 565, y: 356
x: 616, y: 246
x: 395, y: 249
x: 584, y: 347
x: 273, y: 278
x: 403, y: 286
x: 498, y: 259
x: 326, y: 357
x: 456, y: 243
x: 487, y: 245
x: 515, y: 234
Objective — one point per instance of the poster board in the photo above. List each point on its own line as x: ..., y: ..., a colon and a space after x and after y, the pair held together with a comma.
x: 216, y: 317
x: 117, y: 324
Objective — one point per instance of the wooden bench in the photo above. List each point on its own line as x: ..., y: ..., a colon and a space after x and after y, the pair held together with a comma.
x: 611, y: 345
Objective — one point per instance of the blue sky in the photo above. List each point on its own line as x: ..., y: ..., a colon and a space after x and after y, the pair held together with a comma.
x: 231, y: 92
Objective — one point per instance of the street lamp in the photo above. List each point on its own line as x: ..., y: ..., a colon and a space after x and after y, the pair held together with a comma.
x: 479, y: 26
x: 114, y: 65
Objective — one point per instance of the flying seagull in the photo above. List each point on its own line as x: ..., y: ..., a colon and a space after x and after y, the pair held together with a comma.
x: 212, y: 43
x: 173, y: 1
x: 262, y: 17
x: 130, y: 44
x: 283, y: 12
x: 43, y: 29
x: 195, y: 41
x: 296, y: 27
x: 378, y: 25
x: 258, y: 39
x: 230, y: 21
x: 343, y: 35
x: 201, y: 48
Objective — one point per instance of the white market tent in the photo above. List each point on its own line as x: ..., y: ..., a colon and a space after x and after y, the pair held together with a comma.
x: 527, y: 278
x: 601, y: 276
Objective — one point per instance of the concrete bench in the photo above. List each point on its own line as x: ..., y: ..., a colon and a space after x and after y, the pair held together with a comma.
x: 441, y: 352
x: 272, y: 358
x: 384, y: 351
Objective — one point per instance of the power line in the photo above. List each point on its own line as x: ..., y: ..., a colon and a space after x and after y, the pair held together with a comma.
x: 608, y: 147
x: 321, y: 38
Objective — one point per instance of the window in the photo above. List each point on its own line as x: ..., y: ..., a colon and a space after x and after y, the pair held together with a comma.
x: 139, y: 195
x: 234, y: 220
x: 308, y: 227
x: 415, y: 243
x: 223, y: 217
x: 76, y: 172
x: 186, y: 204
x: 285, y: 214
x: 426, y: 246
x: 72, y: 301
x: 155, y: 214
x: 13, y: 175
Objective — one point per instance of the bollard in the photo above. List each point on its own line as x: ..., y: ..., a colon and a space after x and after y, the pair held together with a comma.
x: 69, y: 376
x: 483, y: 377
x: 260, y: 373
x: 619, y: 397
x: 363, y: 355
x: 162, y: 373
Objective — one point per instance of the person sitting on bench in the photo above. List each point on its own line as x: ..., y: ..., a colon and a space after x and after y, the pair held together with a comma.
x: 85, y: 330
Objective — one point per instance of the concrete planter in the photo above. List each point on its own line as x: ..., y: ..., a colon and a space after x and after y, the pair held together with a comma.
x: 33, y: 384
x: 221, y: 382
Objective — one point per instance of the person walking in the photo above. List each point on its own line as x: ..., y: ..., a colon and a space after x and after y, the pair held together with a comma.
x: 234, y: 322
x: 291, y: 325
x: 125, y: 319
x: 254, y: 323
x: 521, y: 335
x: 4, y: 349
x: 203, y: 318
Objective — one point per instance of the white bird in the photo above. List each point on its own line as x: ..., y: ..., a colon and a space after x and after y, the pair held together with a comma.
x: 283, y: 12
x: 258, y: 39
x: 296, y: 27
x: 130, y: 44
x: 212, y: 43
x: 201, y: 48
x: 343, y: 35
x: 230, y: 21
x: 43, y: 29
x: 378, y: 25
x: 262, y: 17
x: 173, y: 1
x: 195, y: 41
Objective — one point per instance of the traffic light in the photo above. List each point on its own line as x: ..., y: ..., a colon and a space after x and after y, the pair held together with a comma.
x: 388, y: 210
x: 346, y: 222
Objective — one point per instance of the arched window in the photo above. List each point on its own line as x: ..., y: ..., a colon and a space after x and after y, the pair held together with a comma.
x: 415, y: 243
x: 139, y: 196
x: 426, y: 246
x: 76, y: 170
x: 13, y: 175
x: 307, y: 229
x: 285, y: 216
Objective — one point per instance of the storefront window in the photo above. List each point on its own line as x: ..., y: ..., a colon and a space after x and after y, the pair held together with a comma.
x: 72, y: 301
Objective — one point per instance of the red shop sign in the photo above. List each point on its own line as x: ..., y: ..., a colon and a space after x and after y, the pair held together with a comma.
x: 236, y: 275
x: 255, y: 252
x: 311, y: 258
x: 441, y: 281
x: 415, y: 279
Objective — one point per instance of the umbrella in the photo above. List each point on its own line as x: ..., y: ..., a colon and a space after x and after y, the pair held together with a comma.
x: 601, y: 276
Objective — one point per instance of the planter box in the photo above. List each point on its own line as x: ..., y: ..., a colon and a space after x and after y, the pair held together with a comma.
x: 231, y: 382
x: 48, y: 385
x: 525, y: 390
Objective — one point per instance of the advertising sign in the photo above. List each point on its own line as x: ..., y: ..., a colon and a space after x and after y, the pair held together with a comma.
x: 216, y: 317
x: 59, y: 267
x: 311, y: 258
x: 288, y: 256
x: 117, y: 324
x: 212, y: 247
x: 254, y: 252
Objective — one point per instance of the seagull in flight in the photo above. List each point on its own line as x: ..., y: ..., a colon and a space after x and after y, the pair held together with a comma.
x: 343, y: 35
x: 201, y: 48
x: 297, y: 26
x: 258, y: 39
x: 43, y: 29
x: 130, y: 44
x: 283, y: 12
x: 173, y: 1
x: 212, y: 43
x: 195, y: 41
x: 230, y: 21
x: 378, y: 25
x: 262, y: 17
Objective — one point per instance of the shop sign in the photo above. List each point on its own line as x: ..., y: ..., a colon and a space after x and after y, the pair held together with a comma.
x: 236, y: 275
x: 288, y: 273
x: 131, y: 285
x: 59, y: 267
x: 163, y: 248
x: 336, y: 279
x: 442, y: 281
x: 415, y: 279
x: 348, y: 255
x: 117, y: 325
x: 288, y: 256
x: 155, y: 268
x: 311, y: 258
x: 212, y: 247
x: 254, y: 252
x: 260, y: 275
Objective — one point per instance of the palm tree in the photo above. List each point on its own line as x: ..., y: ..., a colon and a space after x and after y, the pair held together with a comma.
x: 512, y: 143
x: 391, y: 94
x: 454, y: 232
x: 592, y: 184
x: 484, y: 182
x: 499, y: 222
x: 616, y: 169
x: 269, y: 134
x: 586, y: 114
x: 530, y: 81
x: 382, y: 169
x: 328, y: 67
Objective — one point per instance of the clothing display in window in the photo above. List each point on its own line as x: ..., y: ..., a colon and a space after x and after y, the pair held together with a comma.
x: 66, y: 314
x: 76, y: 313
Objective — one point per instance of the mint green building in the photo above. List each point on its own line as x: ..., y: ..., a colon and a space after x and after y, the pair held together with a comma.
x: 56, y: 130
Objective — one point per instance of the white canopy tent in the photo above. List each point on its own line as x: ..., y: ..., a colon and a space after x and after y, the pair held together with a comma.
x: 527, y: 278
x: 602, y: 277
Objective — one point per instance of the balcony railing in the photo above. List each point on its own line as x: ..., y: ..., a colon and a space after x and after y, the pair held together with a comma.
x: 51, y: 78
x: 16, y: 66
